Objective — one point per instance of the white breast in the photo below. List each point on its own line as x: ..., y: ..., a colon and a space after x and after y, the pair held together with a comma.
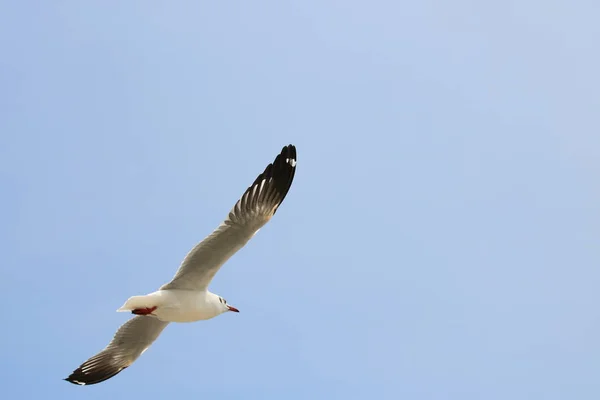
x: 184, y: 306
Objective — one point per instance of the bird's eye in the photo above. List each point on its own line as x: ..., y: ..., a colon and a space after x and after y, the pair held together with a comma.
x: 224, y: 301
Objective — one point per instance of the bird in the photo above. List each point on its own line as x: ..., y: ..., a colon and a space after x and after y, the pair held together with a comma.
x: 186, y: 297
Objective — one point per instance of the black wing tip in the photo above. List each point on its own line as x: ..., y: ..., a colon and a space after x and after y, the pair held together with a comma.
x: 79, y: 378
x: 283, y: 170
x: 279, y: 176
x: 290, y: 147
x: 285, y: 162
x: 289, y: 152
x: 74, y: 381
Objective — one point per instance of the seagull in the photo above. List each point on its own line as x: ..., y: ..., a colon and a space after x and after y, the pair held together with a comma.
x: 186, y: 297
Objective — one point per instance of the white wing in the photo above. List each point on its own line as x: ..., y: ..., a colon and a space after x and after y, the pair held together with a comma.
x: 253, y: 210
x: 129, y: 342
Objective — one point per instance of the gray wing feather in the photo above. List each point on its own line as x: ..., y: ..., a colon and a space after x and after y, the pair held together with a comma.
x: 253, y: 210
x: 128, y: 343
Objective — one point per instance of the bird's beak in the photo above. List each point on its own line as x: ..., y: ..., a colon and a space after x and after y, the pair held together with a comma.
x: 233, y: 309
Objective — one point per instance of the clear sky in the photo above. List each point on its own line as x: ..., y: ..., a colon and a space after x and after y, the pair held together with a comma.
x: 440, y: 240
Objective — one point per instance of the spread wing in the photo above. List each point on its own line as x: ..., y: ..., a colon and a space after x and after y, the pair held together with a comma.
x: 253, y: 210
x: 129, y: 342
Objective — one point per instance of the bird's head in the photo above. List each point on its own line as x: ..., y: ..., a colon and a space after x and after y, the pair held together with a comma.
x: 224, y: 307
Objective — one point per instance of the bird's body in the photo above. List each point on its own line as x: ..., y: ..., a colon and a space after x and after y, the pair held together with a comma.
x: 186, y: 297
x: 174, y: 305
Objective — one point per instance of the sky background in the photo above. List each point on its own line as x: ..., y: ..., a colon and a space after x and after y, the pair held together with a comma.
x: 440, y: 240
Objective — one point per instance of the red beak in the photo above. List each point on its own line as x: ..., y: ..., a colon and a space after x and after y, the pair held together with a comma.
x: 232, y: 309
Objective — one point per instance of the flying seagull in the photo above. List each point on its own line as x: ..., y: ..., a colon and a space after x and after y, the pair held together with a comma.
x: 186, y: 298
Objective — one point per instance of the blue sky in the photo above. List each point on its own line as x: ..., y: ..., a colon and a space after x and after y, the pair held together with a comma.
x: 440, y: 240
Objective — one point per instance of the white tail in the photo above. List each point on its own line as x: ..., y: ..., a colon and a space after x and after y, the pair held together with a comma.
x: 136, y: 302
